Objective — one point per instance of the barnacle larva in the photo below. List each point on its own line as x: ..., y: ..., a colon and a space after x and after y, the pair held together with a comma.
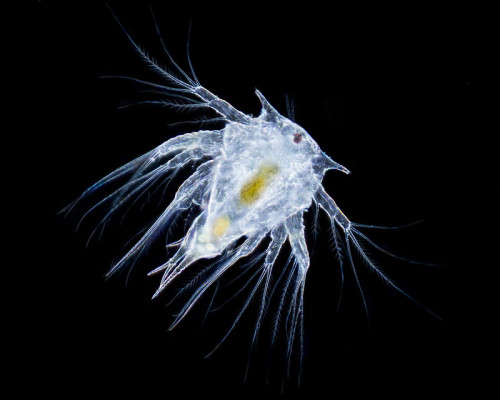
x: 255, y: 179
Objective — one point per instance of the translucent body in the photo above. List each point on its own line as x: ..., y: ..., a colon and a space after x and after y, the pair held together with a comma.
x: 254, y: 180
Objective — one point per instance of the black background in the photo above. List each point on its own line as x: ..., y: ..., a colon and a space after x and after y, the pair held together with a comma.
x: 396, y: 94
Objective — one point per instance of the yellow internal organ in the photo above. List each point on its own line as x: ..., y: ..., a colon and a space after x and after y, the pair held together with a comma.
x: 255, y: 186
x: 220, y: 226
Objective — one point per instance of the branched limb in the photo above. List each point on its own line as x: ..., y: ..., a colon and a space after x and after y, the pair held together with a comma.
x: 247, y: 247
x: 295, y: 316
x: 185, y: 83
x: 190, y: 190
x: 352, y: 240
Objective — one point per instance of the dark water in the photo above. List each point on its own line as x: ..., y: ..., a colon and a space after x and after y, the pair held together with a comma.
x: 397, y: 95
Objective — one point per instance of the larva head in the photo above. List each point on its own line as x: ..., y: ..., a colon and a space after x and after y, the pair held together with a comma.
x: 300, y: 142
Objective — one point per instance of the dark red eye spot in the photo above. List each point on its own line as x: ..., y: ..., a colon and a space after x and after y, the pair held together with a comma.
x: 297, y: 138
